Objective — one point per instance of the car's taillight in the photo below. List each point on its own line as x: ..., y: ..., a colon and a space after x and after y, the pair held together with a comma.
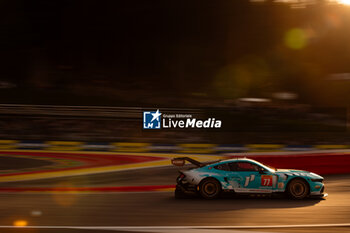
x: 180, y: 177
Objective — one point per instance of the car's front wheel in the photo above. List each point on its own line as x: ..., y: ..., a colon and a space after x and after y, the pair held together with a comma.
x: 298, y: 189
x: 210, y: 188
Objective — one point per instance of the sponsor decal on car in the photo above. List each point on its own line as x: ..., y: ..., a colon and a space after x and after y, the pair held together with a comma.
x: 266, y: 180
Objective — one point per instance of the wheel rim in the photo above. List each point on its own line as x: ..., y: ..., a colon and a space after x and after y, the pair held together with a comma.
x: 298, y: 189
x: 209, y: 189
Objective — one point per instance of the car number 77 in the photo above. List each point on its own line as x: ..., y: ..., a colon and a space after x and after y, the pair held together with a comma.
x: 266, y: 180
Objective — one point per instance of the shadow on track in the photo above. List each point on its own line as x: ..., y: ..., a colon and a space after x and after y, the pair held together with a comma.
x: 235, y: 202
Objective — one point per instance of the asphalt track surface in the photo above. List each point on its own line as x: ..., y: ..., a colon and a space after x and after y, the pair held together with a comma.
x: 14, y: 163
x: 161, y: 209
x: 156, y: 209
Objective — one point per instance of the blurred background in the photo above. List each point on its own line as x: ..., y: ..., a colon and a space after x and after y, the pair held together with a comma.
x: 76, y: 76
x: 268, y: 59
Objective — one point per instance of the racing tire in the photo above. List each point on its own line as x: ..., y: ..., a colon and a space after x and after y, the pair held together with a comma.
x: 210, y: 188
x: 179, y: 194
x: 298, y: 189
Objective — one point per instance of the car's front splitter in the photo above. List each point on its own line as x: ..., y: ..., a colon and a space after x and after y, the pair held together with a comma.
x: 321, y: 195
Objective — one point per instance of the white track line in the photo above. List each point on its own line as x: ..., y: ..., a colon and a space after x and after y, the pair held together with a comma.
x: 195, y: 231
x: 181, y: 227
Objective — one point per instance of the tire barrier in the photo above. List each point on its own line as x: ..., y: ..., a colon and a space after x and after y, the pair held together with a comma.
x: 161, y: 148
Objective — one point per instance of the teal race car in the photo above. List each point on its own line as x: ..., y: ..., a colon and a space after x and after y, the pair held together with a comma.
x: 244, y: 176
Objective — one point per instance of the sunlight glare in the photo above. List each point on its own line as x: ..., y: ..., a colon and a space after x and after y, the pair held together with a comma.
x: 344, y: 2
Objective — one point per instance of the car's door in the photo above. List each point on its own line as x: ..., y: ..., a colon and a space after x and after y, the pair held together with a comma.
x: 266, y: 181
x: 248, y: 177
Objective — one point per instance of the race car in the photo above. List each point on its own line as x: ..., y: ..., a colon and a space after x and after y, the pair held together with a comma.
x: 244, y: 176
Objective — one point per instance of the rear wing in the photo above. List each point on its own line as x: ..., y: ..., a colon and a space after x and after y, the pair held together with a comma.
x: 182, y: 160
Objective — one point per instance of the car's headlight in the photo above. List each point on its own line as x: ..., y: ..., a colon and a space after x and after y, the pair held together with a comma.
x: 317, y: 180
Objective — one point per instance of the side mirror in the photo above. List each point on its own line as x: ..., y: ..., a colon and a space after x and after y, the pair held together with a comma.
x: 261, y: 170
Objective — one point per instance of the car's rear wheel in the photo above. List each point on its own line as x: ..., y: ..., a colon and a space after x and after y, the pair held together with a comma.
x: 210, y: 188
x: 298, y: 189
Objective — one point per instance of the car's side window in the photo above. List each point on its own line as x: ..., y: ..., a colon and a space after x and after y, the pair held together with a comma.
x: 223, y: 166
x: 243, y: 166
